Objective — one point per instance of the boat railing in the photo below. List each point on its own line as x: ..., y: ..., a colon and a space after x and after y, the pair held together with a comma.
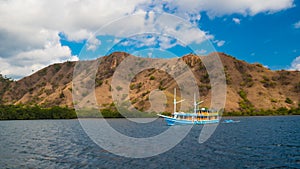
x: 198, y: 114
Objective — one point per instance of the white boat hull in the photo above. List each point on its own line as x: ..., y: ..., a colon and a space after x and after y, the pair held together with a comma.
x: 174, y: 121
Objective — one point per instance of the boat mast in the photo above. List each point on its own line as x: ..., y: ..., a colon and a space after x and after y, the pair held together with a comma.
x: 195, y: 104
x: 174, y: 100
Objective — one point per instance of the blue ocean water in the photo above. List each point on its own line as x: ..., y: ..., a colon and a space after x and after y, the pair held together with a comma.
x: 254, y: 142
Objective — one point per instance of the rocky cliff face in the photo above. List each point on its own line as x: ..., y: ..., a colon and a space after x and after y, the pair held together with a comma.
x: 249, y: 86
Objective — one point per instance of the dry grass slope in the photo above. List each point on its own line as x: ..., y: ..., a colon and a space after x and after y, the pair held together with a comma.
x: 249, y: 86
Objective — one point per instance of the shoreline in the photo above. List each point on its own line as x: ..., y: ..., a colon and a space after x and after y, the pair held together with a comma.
x: 95, y: 118
x: 26, y: 112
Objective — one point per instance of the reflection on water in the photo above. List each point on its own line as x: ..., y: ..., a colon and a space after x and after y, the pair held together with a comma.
x: 255, y: 142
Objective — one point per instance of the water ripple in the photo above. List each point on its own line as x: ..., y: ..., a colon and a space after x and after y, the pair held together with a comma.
x: 255, y: 142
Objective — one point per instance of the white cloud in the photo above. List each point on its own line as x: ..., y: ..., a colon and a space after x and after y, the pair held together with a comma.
x: 297, y: 25
x: 226, y: 7
x: 149, y: 54
x: 162, y: 28
x: 29, y: 29
x: 150, y: 41
x: 295, y: 65
x: 202, y: 51
x: 140, y: 41
x: 167, y: 42
x: 116, y: 40
x: 236, y: 20
x: 29, y: 61
x: 219, y: 42
x: 93, y: 43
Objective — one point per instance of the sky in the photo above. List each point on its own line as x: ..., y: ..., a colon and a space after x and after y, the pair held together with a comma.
x: 35, y: 33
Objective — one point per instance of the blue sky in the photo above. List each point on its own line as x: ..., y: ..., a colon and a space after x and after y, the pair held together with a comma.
x: 266, y: 32
x: 271, y: 39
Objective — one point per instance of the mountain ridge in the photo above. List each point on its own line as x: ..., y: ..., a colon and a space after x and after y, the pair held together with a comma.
x: 249, y: 86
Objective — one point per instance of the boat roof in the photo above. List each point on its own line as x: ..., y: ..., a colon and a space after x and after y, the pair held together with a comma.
x: 188, y: 114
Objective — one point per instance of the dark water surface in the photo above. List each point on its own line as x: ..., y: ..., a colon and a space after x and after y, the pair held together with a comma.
x: 255, y: 142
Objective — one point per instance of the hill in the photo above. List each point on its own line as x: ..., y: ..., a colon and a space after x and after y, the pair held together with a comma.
x: 250, y: 87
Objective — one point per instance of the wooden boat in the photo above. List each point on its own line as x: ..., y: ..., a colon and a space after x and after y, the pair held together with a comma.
x: 199, y: 116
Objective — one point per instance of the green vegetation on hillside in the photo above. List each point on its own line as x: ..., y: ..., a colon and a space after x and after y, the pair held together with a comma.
x: 4, y: 85
x: 18, y: 112
x: 22, y: 112
x: 279, y: 111
x: 245, y: 105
